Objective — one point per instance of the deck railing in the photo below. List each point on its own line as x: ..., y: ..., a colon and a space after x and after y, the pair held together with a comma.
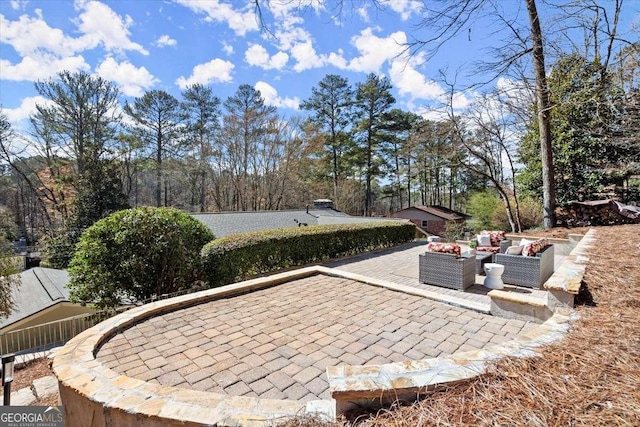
x: 56, y: 333
x: 49, y: 335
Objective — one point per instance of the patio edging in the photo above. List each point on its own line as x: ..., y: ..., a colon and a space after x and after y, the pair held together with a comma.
x: 94, y: 395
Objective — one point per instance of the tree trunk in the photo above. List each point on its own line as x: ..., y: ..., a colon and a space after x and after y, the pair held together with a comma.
x: 159, y: 169
x: 507, y: 208
x: 544, y: 119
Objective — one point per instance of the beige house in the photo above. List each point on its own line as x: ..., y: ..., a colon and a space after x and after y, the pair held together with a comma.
x: 42, y: 297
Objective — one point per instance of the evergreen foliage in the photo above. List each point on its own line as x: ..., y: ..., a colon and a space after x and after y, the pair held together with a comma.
x: 482, y: 207
x: 135, y: 254
x: 8, y: 277
x: 585, y: 103
x: 239, y: 256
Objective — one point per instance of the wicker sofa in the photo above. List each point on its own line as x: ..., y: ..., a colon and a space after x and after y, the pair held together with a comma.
x: 498, y: 242
x: 527, y: 271
x: 447, y: 270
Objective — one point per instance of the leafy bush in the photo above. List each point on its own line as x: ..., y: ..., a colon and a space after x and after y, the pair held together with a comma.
x: 482, y: 207
x: 454, y: 230
x: 8, y: 228
x: 239, y: 256
x: 8, y: 277
x: 531, y: 214
x: 136, y: 254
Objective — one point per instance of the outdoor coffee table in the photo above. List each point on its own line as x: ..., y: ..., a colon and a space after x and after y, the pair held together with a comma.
x: 481, y: 259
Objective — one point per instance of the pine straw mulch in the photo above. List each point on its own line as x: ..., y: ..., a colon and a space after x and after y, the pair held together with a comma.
x: 32, y: 370
x: 24, y: 375
x: 590, y: 378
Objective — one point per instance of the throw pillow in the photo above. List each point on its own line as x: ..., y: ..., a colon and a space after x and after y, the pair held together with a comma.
x: 447, y: 248
x: 530, y: 249
x: 514, y: 250
x: 484, y: 240
x: 525, y: 242
x: 495, y: 235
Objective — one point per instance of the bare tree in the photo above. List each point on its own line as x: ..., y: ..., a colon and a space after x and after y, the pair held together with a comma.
x: 452, y: 17
x: 246, y: 127
x: 486, y: 133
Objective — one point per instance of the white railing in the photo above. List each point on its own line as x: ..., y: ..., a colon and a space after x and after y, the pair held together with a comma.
x: 48, y: 335
x: 56, y: 333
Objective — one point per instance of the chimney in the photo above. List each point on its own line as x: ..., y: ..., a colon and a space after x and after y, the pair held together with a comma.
x: 323, y: 204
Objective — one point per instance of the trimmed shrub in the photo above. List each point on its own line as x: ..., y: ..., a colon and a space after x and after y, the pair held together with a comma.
x: 239, y: 256
x: 135, y: 254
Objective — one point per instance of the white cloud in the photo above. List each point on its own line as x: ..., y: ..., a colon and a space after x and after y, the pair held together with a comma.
x: 405, y: 8
x: 433, y: 114
x: 18, y: 4
x: 32, y: 36
x: 374, y: 51
x: 270, y: 96
x: 461, y: 100
x: 33, y: 68
x: 289, y: 37
x: 215, y: 70
x: 131, y: 80
x: 101, y: 25
x: 287, y: 14
x: 515, y: 91
x: 240, y: 21
x: 306, y: 57
x: 258, y: 56
x: 97, y: 23
x: 165, y: 40
x: 363, y: 12
x: 46, y: 51
x: 337, y: 60
x: 26, y: 108
x: 227, y: 48
x: 409, y: 81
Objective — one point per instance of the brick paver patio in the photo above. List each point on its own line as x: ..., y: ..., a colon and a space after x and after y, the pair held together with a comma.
x: 400, y: 265
x: 277, y: 342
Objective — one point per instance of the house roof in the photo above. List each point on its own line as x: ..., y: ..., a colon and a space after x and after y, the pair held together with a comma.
x: 226, y: 223
x: 439, y: 211
x: 41, y: 288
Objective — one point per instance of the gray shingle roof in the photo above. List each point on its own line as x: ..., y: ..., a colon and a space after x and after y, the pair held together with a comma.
x: 225, y: 223
x: 41, y: 288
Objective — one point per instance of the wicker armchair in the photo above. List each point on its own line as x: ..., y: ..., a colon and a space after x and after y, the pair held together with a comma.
x: 447, y: 270
x: 527, y: 271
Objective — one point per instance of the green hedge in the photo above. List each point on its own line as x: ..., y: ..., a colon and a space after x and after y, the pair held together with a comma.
x: 239, y: 256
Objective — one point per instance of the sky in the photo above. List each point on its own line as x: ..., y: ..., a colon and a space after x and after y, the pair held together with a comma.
x: 142, y: 45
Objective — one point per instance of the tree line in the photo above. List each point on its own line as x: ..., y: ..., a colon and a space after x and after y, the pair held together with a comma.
x: 86, y: 154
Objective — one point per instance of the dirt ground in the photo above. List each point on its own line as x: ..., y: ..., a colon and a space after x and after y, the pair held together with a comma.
x: 24, y: 375
x: 557, y: 232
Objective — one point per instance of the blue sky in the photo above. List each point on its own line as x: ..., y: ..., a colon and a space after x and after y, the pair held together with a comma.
x: 155, y: 44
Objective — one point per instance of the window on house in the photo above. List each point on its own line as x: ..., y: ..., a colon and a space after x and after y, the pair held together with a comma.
x: 425, y: 223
